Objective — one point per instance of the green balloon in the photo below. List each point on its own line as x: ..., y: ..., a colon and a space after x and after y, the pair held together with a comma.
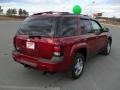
x: 77, y: 9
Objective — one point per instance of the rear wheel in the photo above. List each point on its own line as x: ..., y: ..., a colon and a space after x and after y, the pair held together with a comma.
x: 77, y: 66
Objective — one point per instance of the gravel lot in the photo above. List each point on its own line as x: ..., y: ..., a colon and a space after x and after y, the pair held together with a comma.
x: 101, y: 72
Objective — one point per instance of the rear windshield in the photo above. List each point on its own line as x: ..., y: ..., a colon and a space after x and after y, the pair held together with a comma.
x: 38, y: 26
x: 49, y: 26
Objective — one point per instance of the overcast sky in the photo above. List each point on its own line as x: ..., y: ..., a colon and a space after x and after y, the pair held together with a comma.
x: 110, y: 8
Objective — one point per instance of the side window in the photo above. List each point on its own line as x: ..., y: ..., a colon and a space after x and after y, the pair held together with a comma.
x: 96, y: 27
x: 85, y: 26
x: 67, y: 26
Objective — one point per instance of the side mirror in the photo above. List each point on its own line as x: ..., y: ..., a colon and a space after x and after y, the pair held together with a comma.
x: 106, y: 30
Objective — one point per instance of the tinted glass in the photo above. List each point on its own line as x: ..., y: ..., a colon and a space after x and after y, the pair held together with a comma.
x: 67, y: 26
x: 85, y: 26
x: 42, y: 26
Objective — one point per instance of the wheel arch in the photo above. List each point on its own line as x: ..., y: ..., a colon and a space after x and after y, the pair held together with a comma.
x: 83, y: 51
x: 110, y: 39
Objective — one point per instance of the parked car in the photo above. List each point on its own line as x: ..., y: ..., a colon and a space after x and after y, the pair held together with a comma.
x: 60, y: 41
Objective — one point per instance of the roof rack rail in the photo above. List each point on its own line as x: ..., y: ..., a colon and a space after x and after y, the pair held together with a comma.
x: 60, y: 13
x: 54, y: 12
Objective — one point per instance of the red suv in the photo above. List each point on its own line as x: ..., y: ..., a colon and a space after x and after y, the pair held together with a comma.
x: 60, y: 41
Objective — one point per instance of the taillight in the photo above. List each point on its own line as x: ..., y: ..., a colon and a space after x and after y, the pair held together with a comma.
x: 14, y: 43
x: 56, y: 49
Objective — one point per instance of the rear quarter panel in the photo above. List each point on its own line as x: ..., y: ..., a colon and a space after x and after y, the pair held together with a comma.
x: 70, y: 46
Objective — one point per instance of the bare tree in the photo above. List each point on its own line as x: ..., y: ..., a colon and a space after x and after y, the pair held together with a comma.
x: 14, y: 11
x: 8, y: 12
x: 1, y: 10
x: 25, y: 13
x: 20, y: 12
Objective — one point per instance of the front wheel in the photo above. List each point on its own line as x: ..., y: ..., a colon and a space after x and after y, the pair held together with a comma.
x: 107, y: 49
x: 77, y: 66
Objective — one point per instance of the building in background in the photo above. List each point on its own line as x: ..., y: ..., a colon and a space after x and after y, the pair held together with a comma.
x: 95, y: 15
x: 1, y: 11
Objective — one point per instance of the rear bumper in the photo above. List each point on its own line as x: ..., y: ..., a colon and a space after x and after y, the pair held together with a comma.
x: 38, y: 63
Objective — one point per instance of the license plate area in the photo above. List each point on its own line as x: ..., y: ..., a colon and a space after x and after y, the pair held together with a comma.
x: 30, y: 45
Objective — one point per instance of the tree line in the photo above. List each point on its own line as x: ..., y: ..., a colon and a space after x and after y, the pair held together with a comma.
x: 14, y: 12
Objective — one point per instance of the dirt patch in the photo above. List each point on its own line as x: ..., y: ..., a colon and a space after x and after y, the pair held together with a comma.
x: 12, y: 18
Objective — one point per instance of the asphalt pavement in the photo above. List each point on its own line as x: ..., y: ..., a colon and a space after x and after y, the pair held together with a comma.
x: 101, y: 72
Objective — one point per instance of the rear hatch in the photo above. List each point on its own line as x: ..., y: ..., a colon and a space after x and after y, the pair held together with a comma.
x: 35, y: 37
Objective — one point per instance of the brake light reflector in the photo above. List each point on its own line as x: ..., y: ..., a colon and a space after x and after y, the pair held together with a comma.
x: 56, y: 49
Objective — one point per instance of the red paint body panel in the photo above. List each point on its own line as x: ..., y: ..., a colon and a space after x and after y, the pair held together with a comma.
x: 37, y: 63
x: 43, y: 46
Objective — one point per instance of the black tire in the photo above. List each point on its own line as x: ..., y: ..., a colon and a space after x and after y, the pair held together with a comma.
x: 77, y: 65
x: 107, y: 50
